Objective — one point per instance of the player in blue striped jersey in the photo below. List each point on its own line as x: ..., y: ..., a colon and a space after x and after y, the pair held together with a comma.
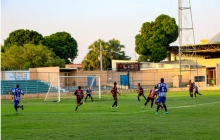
x: 17, y: 93
x: 162, y: 89
x: 196, y: 90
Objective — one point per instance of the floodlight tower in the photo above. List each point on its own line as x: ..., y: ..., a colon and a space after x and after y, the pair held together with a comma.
x: 186, y: 33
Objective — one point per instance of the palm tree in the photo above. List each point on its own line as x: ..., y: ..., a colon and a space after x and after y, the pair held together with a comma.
x: 111, y: 50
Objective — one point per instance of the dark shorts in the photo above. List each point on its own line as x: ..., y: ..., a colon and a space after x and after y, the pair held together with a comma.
x: 16, y: 102
x: 78, y: 100
x: 149, y: 99
x: 89, y: 95
x: 141, y: 94
x: 196, y: 92
x: 114, y: 96
x: 190, y: 90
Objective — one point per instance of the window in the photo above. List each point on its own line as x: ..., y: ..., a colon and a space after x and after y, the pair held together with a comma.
x: 199, y: 78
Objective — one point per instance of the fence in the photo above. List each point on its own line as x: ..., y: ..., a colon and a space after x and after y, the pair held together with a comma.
x: 150, y: 78
x: 39, y: 82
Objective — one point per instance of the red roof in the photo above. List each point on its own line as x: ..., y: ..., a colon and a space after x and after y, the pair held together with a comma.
x: 73, y: 66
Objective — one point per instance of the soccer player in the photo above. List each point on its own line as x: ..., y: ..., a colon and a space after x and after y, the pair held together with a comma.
x: 156, y: 99
x: 151, y: 97
x: 196, y: 90
x: 140, y: 92
x: 79, y: 96
x: 191, y: 89
x: 156, y: 91
x: 114, y: 92
x: 12, y: 91
x: 88, y: 94
x: 17, y: 92
x: 162, y: 89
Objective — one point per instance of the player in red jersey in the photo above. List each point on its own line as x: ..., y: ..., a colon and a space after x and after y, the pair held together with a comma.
x: 114, y: 92
x: 79, y: 96
x: 140, y: 92
x: 151, y: 97
x: 12, y: 99
x: 191, y: 89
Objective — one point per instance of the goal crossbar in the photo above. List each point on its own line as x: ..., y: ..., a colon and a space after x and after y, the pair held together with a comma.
x: 74, y: 77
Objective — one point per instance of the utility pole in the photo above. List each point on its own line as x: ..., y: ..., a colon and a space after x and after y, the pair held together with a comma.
x: 135, y: 56
x: 100, y: 56
x: 128, y: 80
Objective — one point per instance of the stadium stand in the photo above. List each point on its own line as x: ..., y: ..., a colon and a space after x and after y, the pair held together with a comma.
x: 27, y: 86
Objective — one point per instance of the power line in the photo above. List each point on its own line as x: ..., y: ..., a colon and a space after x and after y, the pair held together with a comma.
x: 170, y: 7
x: 209, y: 17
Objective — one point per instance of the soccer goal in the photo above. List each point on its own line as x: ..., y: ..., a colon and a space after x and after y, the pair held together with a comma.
x: 63, y: 87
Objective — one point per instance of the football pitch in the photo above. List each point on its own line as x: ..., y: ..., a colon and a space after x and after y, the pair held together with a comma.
x: 188, y: 119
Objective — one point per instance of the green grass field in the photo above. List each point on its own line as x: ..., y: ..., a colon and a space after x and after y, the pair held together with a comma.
x: 188, y: 119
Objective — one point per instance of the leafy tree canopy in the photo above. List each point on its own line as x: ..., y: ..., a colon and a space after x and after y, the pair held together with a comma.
x: 30, y: 55
x: 110, y: 50
x: 63, y: 45
x: 154, y: 37
x: 21, y: 37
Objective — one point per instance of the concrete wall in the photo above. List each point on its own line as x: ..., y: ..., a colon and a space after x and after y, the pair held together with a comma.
x: 209, y: 62
x: 63, y: 80
x: 71, y: 80
x: 46, y: 74
x: 83, y: 81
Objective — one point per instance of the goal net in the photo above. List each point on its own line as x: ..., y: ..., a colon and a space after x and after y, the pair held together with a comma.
x: 63, y: 87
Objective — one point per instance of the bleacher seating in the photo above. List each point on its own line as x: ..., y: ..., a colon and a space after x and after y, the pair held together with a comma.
x: 27, y: 86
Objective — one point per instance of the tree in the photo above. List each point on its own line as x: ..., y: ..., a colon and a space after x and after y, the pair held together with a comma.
x: 2, y: 48
x: 63, y: 45
x: 110, y: 50
x: 154, y: 37
x: 30, y: 56
x: 21, y: 37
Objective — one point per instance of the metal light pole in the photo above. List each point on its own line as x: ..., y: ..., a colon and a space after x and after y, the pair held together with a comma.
x: 100, y: 55
x: 180, y: 38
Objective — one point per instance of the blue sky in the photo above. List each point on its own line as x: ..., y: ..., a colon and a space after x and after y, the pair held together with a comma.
x: 89, y: 20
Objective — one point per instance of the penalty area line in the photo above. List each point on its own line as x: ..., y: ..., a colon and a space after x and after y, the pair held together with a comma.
x: 116, y: 112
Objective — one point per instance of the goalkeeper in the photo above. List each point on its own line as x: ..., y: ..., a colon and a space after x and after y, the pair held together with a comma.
x: 89, y: 94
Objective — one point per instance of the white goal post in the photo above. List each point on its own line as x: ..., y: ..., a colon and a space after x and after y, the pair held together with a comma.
x: 55, y: 85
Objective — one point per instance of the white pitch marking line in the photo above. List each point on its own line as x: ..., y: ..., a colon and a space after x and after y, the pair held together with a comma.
x: 119, y: 113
